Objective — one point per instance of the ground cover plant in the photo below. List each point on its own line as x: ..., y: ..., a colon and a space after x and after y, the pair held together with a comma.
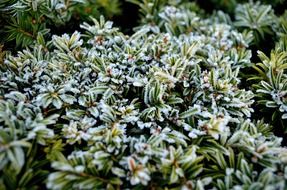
x: 24, y: 19
x: 189, y: 100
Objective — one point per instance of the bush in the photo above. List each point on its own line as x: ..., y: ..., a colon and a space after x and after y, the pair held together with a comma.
x: 24, y: 19
x: 163, y: 108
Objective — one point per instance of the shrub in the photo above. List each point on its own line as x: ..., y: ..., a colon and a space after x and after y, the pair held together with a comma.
x: 161, y: 109
x: 257, y: 18
x: 272, y: 82
x: 24, y: 19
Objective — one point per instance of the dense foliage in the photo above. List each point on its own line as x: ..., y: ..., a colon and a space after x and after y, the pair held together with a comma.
x: 24, y: 19
x: 179, y: 104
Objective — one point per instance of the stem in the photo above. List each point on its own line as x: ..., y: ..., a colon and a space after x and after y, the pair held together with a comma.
x: 26, y: 33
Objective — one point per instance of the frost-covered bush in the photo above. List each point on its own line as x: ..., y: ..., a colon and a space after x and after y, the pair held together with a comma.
x: 257, y: 18
x: 271, y: 86
x: 161, y: 109
x: 24, y: 19
x: 230, y: 5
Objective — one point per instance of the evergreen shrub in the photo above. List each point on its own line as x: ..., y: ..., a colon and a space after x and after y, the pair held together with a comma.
x: 163, y: 108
